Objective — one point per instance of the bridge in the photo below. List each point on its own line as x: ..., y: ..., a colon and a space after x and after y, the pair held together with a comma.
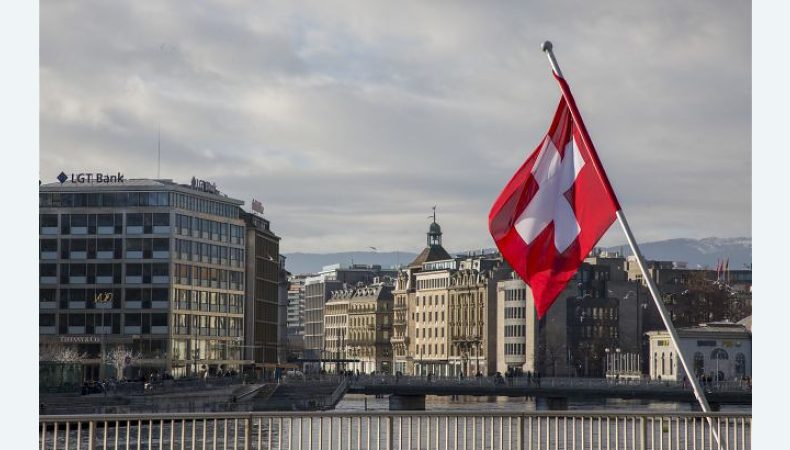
x: 410, y: 392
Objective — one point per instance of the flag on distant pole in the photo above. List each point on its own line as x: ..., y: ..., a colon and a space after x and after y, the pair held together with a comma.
x: 555, y: 208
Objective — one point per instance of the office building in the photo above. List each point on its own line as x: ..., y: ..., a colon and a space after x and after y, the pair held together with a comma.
x: 262, y: 249
x: 153, y: 266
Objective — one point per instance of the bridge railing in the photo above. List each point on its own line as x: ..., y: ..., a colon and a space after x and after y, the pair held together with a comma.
x: 470, y: 430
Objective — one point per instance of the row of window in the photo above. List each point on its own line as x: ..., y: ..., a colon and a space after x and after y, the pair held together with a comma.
x: 431, y: 350
x: 431, y: 332
x: 187, y: 299
x: 597, y: 331
x: 515, y: 349
x: 518, y: 312
x: 191, y: 350
x: 515, y: 330
x: 78, y: 224
x: 430, y: 317
x: 100, y: 200
x: 204, y: 325
x: 136, y: 199
x: 93, y: 296
x: 436, y: 283
x: 98, y: 323
x: 515, y: 295
x: 98, y: 248
x: 209, y: 253
x: 106, y: 273
x: 209, y: 229
x: 209, y: 277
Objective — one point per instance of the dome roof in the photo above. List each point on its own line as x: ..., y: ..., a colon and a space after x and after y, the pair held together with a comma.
x: 435, y: 228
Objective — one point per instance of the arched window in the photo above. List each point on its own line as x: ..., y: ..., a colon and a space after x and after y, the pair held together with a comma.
x: 699, y: 363
x: 663, y: 369
x: 740, y: 364
x: 719, y: 353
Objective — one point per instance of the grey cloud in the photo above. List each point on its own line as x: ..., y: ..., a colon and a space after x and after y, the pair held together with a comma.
x: 349, y: 120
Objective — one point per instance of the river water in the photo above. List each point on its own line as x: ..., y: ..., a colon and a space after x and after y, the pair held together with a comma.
x: 359, y: 402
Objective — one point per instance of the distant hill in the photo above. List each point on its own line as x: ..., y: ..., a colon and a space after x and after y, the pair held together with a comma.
x: 695, y: 252
x: 698, y: 252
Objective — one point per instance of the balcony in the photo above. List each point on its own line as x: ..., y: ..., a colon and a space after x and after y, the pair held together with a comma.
x: 161, y: 229
x: 132, y: 329
x: 77, y: 305
x: 106, y: 254
x: 47, y: 305
x: 48, y: 280
x: 49, y: 255
x: 76, y: 329
x: 104, y: 279
x: 134, y: 254
x: 162, y: 254
x: 159, y: 329
x: 133, y: 279
x: 49, y: 230
x: 78, y: 280
x: 134, y: 230
x: 46, y: 330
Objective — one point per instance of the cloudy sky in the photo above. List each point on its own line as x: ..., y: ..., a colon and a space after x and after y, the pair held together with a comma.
x: 349, y: 120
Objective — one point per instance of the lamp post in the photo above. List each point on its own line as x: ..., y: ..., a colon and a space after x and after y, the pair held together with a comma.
x: 103, y: 298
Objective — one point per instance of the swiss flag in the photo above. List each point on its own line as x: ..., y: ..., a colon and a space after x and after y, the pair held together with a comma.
x: 555, y: 208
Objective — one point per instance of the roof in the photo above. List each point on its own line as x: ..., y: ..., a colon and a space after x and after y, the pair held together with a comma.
x: 373, y: 292
x: 746, y: 322
x: 717, y: 328
x: 432, y: 253
x: 134, y: 184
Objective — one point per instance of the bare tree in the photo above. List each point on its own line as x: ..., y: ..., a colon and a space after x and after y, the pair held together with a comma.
x: 121, y: 357
x: 60, y: 353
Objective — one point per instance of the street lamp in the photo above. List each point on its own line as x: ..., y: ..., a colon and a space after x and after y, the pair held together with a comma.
x: 103, y: 298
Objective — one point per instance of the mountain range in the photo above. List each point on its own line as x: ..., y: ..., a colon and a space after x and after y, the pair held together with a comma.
x: 696, y: 253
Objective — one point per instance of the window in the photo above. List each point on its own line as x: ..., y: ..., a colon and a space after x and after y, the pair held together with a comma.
x: 699, y: 363
x: 740, y: 364
x: 719, y: 354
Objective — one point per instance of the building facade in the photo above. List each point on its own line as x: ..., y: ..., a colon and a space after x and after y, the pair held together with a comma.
x: 318, y: 290
x: 262, y: 249
x: 336, y: 326
x: 295, y: 320
x: 151, y: 266
x: 719, y: 350
x: 370, y: 328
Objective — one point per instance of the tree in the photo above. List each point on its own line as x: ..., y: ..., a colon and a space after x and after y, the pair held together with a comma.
x: 703, y: 301
x: 61, y: 356
x: 121, y: 357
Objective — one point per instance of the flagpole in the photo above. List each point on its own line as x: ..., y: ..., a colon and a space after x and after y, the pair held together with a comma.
x: 698, y: 393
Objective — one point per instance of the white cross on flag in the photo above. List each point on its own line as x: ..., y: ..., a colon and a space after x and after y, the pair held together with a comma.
x: 555, y: 208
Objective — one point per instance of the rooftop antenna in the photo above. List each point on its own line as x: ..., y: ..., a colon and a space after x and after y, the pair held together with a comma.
x: 158, y: 151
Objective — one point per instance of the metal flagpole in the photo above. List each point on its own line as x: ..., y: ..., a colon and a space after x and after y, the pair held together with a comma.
x: 698, y: 393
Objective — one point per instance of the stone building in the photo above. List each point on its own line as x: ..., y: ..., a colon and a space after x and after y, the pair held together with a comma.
x: 370, y: 328
x: 404, y: 307
x: 720, y: 350
x: 318, y: 289
x: 336, y: 326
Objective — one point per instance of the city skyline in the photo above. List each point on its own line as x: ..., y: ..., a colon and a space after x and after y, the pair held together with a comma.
x: 349, y: 122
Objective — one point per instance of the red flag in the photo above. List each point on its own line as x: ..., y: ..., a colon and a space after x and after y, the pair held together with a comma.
x: 555, y: 208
